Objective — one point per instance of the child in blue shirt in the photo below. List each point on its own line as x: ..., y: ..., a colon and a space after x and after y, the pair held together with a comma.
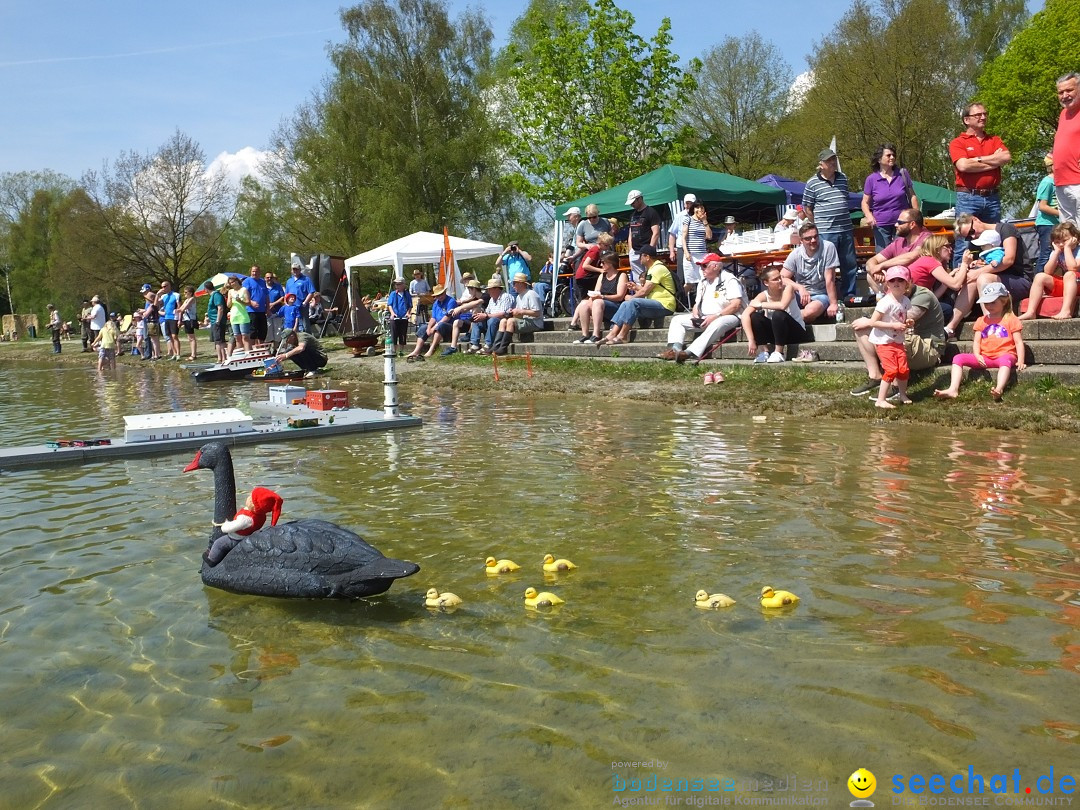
x: 290, y: 311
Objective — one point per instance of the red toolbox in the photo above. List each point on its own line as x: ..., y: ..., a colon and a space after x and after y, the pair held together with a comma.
x: 327, y: 400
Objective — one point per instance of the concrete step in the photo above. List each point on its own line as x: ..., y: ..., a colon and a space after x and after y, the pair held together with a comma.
x: 1037, y: 330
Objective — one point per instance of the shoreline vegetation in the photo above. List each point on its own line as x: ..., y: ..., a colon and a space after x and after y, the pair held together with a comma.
x: 1038, y: 404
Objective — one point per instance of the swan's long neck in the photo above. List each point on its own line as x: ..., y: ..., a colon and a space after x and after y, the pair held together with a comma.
x: 224, y: 492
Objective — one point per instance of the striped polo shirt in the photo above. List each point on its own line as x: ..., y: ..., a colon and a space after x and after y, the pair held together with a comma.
x: 829, y: 201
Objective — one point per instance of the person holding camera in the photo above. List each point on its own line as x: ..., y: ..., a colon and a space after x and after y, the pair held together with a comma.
x: 515, y: 260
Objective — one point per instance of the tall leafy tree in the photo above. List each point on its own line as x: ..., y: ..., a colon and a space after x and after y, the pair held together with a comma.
x: 984, y: 29
x: 20, y: 201
x: 1018, y: 89
x: 399, y: 138
x: 887, y: 72
x: 163, y: 214
x: 738, y: 110
x: 591, y: 103
x: 31, y: 238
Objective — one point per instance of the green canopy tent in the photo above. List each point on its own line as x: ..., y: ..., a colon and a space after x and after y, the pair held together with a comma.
x: 745, y: 199
x: 933, y: 199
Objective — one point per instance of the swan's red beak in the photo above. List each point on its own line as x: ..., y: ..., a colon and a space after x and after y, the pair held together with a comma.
x: 194, y: 465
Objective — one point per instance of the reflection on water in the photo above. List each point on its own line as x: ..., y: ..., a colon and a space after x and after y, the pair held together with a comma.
x: 939, y: 625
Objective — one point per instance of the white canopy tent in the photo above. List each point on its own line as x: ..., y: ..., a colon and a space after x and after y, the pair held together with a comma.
x: 421, y: 248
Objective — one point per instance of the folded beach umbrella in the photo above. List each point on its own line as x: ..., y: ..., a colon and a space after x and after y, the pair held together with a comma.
x: 218, y: 280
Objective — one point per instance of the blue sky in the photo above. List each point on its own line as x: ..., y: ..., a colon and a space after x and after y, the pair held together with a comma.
x: 82, y: 82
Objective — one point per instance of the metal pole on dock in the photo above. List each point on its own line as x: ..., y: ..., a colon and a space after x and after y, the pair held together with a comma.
x: 390, y: 400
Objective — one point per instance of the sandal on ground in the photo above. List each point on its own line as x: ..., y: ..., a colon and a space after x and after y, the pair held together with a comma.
x: 710, y: 378
x: 996, y: 394
x: 614, y: 341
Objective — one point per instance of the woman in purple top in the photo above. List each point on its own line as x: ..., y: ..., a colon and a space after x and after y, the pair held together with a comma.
x: 888, y: 190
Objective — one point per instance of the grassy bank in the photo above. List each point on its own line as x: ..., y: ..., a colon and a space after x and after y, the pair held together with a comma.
x: 1038, y: 403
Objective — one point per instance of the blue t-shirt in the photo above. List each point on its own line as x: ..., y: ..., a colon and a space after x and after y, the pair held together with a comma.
x: 400, y: 303
x: 1047, y: 194
x: 291, y: 314
x: 169, y: 302
x: 217, y: 300
x: 300, y: 287
x: 440, y: 310
x: 515, y: 263
x: 257, y: 292
x: 275, y: 292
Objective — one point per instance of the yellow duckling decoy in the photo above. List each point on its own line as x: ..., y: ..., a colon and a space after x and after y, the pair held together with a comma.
x: 553, y: 566
x: 434, y: 599
x: 777, y: 599
x: 493, y: 566
x: 707, y: 600
x: 542, y: 599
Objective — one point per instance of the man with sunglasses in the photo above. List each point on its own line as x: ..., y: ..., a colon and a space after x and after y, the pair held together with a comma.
x: 977, y: 158
x: 812, y: 266
x: 902, y: 251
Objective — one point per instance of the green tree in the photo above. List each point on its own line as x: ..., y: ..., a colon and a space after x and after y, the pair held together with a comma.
x: 984, y: 29
x: 163, y: 216
x: 31, y: 240
x: 1018, y: 89
x: 887, y: 73
x: 739, y: 107
x: 18, y: 193
x: 592, y: 104
x: 399, y: 138
x: 257, y: 234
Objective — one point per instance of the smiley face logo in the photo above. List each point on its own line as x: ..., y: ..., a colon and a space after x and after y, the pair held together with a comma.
x: 862, y: 784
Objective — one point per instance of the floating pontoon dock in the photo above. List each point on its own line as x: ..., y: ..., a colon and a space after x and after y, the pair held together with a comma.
x: 201, y: 428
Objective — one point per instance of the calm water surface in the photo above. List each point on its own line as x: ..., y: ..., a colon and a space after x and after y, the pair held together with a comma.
x: 939, y: 627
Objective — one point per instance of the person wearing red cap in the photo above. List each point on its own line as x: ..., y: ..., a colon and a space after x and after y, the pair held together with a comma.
x: 718, y: 305
x: 248, y: 520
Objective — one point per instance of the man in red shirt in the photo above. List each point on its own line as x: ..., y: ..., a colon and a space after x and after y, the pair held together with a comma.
x: 977, y: 158
x: 1067, y: 149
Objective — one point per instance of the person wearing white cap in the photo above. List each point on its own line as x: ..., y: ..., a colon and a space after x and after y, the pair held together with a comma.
x: 992, y: 253
x: 786, y: 231
x: 1014, y: 270
x: 996, y: 343
x: 569, y: 237
x: 674, y: 239
x: 98, y: 316
x: 644, y: 230
x: 399, y: 303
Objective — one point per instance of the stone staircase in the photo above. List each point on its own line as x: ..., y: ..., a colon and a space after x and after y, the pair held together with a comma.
x: 1053, y: 347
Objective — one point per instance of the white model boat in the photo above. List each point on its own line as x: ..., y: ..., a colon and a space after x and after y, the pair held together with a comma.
x: 240, y: 364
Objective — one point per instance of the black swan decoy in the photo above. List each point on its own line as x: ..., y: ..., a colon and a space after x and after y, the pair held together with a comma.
x: 311, y: 559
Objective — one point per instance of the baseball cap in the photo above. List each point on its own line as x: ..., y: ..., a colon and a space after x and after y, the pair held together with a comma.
x: 825, y: 154
x: 897, y: 272
x: 145, y: 288
x: 646, y: 250
x: 573, y: 210
x: 710, y: 258
x: 689, y: 197
x: 633, y: 195
x: 992, y: 292
x: 988, y: 238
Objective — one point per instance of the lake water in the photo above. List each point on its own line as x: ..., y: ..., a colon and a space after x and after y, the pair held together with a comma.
x: 939, y: 626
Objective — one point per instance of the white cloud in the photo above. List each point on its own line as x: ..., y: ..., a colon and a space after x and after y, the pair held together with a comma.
x: 238, y: 165
x: 798, y: 90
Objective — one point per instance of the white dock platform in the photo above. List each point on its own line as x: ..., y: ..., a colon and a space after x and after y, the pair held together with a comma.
x: 270, y: 427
